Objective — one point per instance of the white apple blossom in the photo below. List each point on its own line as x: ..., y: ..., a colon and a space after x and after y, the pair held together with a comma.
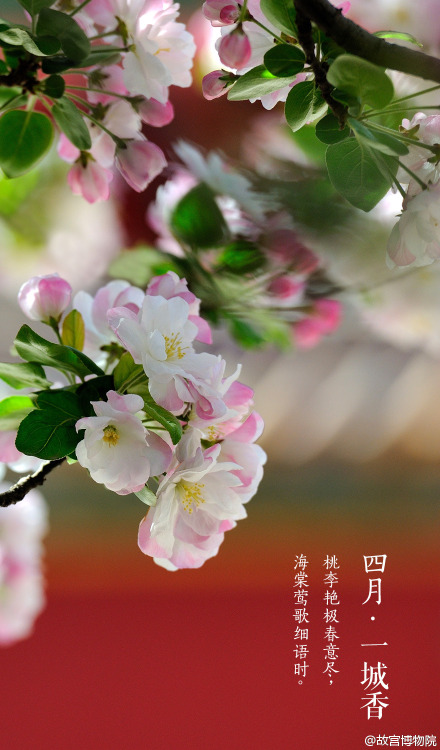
x: 94, y: 313
x: 417, y: 160
x: 169, y: 285
x: 161, y: 49
x: 117, y: 449
x: 160, y: 338
x: 196, y: 502
x: 223, y: 180
x: 415, y: 239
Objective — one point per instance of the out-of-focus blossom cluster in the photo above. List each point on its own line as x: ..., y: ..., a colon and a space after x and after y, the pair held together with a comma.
x: 262, y: 270
x: 104, y: 71
x: 123, y: 97
x: 22, y: 527
x: 159, y: 410
x: 415, y: 239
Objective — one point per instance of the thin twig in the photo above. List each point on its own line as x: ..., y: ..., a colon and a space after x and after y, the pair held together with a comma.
x: 24, y: 485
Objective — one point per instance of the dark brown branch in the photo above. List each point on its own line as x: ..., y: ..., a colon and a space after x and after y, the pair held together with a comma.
x: 24, y: 485
x: 305, y: 38
x: 355, y: 40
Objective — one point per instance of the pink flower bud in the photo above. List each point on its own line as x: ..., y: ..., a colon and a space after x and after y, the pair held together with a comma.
x: 91, y: 181
x: 140, y: 162
x: 155, y: 113
x: 235, y: 49
x: 221, y: 12
x: 216, y: 84
x: 44, y: 297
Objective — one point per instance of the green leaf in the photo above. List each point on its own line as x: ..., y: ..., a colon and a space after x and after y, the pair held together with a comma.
x: 34, y: 6
x: 197, y: 220
x: 383, y: 142
x: 158, y: 413
x: 100, y: 53
x: 139, y: 265
x: 284, y: 60
x: 8, y: 93
x: 126, y: 372
x: 24, y: 139
x: 354, y: 173
x: 255, y: 83
x: 95, y: 389
x: 147, y: 496
x: 281, y: 14
x: 69, y: 119
x: 23, y: 375
x: 19, y: 37
x: 245, y: 334
x: 13, y: 410
x: 73, y: 40
x: 33, y: 348
x: 164, y: 417
x: 241, y: 256
x: 73, y: 330
x: 305, y: 138
x: 14, y: 192
x: 53, y: 86
x: 361, y: 79
x: 304, y: 102
x: 48, y: 432
x: 57, y: 64
x: 328, y: 131
x: 353, y: 104
x: 398, y: 35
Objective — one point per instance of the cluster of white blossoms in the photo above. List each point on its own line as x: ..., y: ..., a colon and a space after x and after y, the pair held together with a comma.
x: 172, y: 416
x: 415, y: 239
x: 22, y: 527
x: 124, y: 96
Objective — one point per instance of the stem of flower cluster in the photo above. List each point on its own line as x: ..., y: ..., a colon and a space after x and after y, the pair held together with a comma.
x: 80, y: 7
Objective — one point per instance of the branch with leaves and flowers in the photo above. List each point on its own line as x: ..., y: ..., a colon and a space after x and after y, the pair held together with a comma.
x: 133, y: 399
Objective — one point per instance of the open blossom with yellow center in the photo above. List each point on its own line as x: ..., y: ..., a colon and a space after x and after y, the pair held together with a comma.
x: 160, y: 49
x: 191, y: 495
x: 117, y: 449
x: 160, y: 337
x: 111, y: 435
x: 196, y: 503
x: 173, y: 346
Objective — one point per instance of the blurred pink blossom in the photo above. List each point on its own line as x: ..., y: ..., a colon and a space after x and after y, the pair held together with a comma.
x: 91, y: 181
x: 140, y: 162
x: 324, y: 319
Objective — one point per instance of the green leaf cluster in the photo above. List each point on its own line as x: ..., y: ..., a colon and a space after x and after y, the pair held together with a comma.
x: 54, y: 44
x: 46, y: 421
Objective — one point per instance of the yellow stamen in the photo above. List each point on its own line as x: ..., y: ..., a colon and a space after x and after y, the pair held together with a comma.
x: 111, y: 435
x: 173, y: 346
x: 191, y: 495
